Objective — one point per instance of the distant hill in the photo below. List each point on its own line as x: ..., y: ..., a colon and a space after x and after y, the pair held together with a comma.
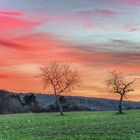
x: 14, y: 103
x: 86, y: 103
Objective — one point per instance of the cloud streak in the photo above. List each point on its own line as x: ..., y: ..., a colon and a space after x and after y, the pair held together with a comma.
x: 13, y: 45
x: 100, y: 12
x: 11, y: 13
x: 133, y: 2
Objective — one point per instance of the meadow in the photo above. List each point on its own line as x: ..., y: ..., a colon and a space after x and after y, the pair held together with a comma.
x: 72, y: 126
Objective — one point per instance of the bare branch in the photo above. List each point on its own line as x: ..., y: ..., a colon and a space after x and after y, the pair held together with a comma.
x: 118, y: 84
x: 60, y: 77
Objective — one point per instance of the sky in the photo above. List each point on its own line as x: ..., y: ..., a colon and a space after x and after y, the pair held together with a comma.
x: 94, y: 36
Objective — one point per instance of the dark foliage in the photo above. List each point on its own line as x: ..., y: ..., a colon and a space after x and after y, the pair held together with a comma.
x: 15, y: 103
x: 31, y: 101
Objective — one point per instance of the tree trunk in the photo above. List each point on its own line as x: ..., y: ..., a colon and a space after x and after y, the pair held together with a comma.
x: 59, y: 105
x: 120, y: 104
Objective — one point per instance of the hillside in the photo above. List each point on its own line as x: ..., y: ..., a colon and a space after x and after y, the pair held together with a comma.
x: 14, y: 103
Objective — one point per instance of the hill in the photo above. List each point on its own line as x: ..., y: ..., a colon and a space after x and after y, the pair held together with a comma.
x: 15, y: 103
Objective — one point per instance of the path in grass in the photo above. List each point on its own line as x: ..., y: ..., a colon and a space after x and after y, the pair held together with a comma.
x: 72, y: 126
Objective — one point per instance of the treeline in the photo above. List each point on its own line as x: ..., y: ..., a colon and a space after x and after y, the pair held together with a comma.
x: 20, y: 103
x: 27, y: 103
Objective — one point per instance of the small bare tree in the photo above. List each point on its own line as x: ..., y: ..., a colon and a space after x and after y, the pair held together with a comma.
x: 61, y: 78
x: 117, y: 83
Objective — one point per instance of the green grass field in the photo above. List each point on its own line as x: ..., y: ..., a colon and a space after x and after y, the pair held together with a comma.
x: 72, y: 126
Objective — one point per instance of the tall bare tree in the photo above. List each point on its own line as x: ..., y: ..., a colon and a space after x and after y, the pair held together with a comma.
x: 61, y: 78
x: 118, y: 85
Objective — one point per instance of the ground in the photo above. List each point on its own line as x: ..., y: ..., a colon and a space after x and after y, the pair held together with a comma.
x: 72, y: 126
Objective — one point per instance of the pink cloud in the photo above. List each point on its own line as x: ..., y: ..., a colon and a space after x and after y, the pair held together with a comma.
x: 89, y: 25
x: 133, y: 2
x: 13, y: 20
x: 7, y: 23
x: 102, y: 12
x: 129, y: 28
x: 107, y: 12
x: 11, y: 13
x: 13, y: 45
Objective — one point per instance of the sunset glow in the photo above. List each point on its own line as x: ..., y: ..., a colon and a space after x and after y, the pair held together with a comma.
x: 95, y: 36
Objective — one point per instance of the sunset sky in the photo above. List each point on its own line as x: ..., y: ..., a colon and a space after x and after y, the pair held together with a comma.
x: 94, y: 36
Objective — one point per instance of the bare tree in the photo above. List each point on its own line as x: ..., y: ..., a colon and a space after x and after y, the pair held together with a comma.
x: 117, y: 83
x: 61, y: 78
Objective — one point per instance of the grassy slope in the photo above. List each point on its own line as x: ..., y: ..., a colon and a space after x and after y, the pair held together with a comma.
x: 72, y: 126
